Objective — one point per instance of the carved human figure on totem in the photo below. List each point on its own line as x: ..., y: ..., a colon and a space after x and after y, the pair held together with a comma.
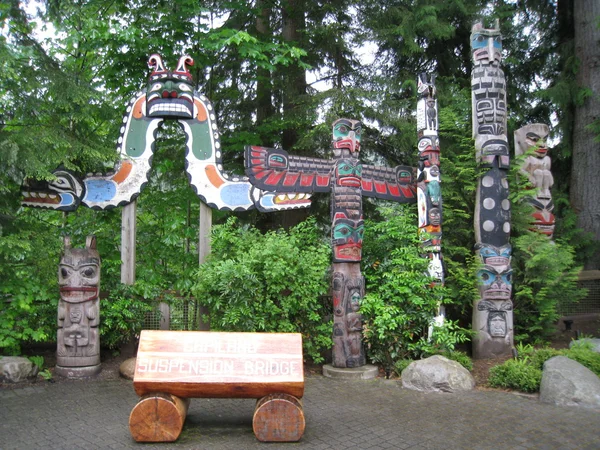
x: 78, y: 339
x: 347, y: 321
x: 537, y: 168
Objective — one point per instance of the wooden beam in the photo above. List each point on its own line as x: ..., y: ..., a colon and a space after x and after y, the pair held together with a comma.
x: 128, y: 235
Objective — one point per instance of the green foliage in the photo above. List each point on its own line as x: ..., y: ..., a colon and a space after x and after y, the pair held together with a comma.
x: 401, y: 302
x: 525, y: 373
x: 37, y: 360
x: 516, y: 374
x: 582, y: 352
x: 273, y: 282
x: 123, y: 313
x: 400, y: 365
x: 460, y: 357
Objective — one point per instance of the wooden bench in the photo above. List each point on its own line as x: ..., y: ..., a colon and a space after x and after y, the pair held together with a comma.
x: 174, y: 366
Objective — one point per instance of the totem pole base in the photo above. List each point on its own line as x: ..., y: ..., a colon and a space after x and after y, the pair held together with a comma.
x: 366, y: 372
x: 77, y: 372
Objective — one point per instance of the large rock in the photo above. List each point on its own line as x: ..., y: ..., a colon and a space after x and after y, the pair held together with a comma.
x: 437, y: 374
x: 127, y: 368
x: 594, y: 342
x: 568, y: 383
x: 16, y: 368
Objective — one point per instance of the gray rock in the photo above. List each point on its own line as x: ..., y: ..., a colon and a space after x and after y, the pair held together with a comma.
x: 16, y: 368
x: 127, y: 368
x: 595, y: 343
x: 437, y: 374
x: 566, y: 382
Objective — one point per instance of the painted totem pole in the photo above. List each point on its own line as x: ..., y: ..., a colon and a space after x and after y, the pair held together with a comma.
x: 429, y: 193
x: 170, y: 95
x: 78, y: 338
x: 537, y: 168
x: 492, y: 313
x: 347, y: 180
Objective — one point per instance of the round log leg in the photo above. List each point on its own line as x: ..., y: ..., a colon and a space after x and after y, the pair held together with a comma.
x: 278, y: 418
x: 158, y: 417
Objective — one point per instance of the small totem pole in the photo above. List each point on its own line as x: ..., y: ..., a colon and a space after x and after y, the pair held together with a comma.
x: 429, y: 193
x: 78, y: 339
x: 537, y: 168
x: 348, y: 180
x: 492, y: 313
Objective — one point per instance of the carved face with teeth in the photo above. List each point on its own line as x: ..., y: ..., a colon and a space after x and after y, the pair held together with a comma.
x: 79, y: 272
x: 170, y: 94
x: 347, y: 238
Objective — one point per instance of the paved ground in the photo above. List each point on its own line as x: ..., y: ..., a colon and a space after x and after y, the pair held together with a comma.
x: 339, y: 414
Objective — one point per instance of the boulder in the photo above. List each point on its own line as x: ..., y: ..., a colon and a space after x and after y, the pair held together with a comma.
x: 437, y: 374
x: 16, y: 368
x: 566, y: 382
x: 127, y: 368
x: 595, y: 343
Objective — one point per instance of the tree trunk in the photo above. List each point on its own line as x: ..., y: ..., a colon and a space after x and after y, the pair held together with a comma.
x: 585, y: 183
x: 293, y: 12
x: 264, y: 94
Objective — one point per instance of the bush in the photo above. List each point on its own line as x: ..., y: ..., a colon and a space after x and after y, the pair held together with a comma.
x: 516, y: 374
x: 122, y: 314
x: 400, y: 302
x: 582, y: 353
x: 273, y: 282
x: 460, y: 357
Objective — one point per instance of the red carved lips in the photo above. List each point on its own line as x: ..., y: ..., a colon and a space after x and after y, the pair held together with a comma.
x: 78, y: 294
x: 349, y: 182
x: 348, y: 252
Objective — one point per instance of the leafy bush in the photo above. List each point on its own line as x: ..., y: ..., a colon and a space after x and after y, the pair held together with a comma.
x: 460, y: 357
x: 516, y: 374
x: 400, y: 302
x: 400, y: 365
x: 122, y: 313
x: 582, y: 352
x: 273, y: 282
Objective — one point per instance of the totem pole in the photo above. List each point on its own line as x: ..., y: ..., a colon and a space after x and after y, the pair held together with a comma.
x: 537, y: 168
x: 170, y: 95
x: 347, y: 180
x: 429, y: 193
x: 492, y: 313
x: 78, y: 338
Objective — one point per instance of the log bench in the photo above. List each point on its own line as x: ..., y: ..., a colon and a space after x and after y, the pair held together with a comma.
x: 174, y: 366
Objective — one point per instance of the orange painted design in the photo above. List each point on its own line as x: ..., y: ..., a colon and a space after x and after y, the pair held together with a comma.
x: 123, y: 172
x: 201, y: 111
x: 138, y: 108
x: 214, y: 177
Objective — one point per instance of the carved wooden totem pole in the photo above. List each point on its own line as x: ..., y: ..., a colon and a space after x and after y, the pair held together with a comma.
x: 429, y: 193
x: 78, y: 338
x: 537, y: 168
x: 492, y: 312
x: 347, y: 180
x: 170, y: 95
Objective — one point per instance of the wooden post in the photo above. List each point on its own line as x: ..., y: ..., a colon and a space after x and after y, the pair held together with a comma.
x: 203, y: 252
x: 128, y: 232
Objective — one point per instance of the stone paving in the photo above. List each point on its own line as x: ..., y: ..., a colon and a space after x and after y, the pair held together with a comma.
x: 340, y: 414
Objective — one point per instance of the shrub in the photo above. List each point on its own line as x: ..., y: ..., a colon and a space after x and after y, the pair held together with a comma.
x: 582, y: 353
x: 460, y: 357
x: 122, y: 313
x: 400, y: 302
x: 273, y: 282
x: 400, y: 365
x: 516, y: 374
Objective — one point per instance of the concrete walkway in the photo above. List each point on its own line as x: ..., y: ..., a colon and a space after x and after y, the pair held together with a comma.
x: 375, y: 414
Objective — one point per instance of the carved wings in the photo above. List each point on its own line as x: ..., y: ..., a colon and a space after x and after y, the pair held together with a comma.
x: 274, y: 169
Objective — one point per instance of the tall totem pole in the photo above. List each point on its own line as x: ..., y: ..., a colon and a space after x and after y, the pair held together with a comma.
x: 429, y: 193
x: 347, y: 179
x: 492, y: 312
x: 537, y: 168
